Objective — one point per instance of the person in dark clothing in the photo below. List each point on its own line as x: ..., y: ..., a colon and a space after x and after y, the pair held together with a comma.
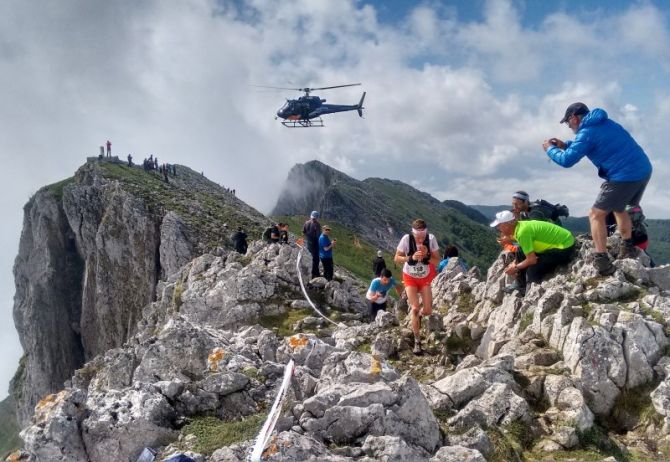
x: 239, y: 239
x: 283, y: 233
x: 378, y: 264
x: 539, y: 209
x: 109, y: 148
x: 312, y: 230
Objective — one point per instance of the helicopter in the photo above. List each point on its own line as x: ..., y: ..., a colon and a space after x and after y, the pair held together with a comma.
x: 306, y: 111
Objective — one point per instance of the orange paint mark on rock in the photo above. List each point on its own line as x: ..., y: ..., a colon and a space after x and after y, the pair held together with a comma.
x: 214, y: 357
x: 298, y: 341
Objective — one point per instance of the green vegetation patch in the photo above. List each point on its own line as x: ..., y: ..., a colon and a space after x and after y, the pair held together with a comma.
x: 633, y: 407
x: 364, y: 348
x: 57, y: 188
x: 466, y: 302
x: 282, y: 324
x: 213, y: 433
x: 595, y: 439
x: 9, y: 428
x: 526, y: 320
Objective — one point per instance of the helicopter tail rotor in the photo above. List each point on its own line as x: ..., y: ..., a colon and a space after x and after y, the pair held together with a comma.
x: 360, y: 106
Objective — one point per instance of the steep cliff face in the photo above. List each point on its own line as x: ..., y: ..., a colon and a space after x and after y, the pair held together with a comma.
x: 381, y: 210
x: 48, y: 302
x: 91, y: 252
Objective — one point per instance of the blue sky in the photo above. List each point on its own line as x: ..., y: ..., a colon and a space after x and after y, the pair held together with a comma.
x: 460, y: 95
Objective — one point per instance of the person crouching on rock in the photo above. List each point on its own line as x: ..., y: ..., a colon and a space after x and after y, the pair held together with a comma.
x: 545, y: 246
x: 379, y: 287
x: 418, y: 252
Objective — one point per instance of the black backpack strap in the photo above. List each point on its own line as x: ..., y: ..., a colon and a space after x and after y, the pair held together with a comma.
x: 412, y: 250
x: 426, y: 242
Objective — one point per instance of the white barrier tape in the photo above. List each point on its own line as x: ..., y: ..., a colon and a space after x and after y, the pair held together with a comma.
x: 302, y: 285
x: 269, y: 425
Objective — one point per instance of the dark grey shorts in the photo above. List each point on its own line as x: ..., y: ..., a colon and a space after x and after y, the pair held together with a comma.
x: 615, y: 196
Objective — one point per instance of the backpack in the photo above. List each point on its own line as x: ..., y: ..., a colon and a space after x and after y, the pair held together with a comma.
x: 546, y: 211
x: 412, y: 248
x: 639, y: 227
x: 267, y: 233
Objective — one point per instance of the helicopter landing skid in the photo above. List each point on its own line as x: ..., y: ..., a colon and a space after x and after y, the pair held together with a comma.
x: 303, y: 123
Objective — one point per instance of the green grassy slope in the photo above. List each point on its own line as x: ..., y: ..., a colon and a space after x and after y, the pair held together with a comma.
x: 475, y: 241
x: 9, y: 428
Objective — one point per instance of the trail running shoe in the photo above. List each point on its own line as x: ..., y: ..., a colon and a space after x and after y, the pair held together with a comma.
x: 417, y: 348
x: 601, y: 261
x: 627, y: 250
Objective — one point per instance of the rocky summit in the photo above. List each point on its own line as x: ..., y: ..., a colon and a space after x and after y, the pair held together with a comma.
x: 190, y: 361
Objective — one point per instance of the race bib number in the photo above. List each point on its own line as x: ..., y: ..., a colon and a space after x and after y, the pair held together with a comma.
x: 418, y: 271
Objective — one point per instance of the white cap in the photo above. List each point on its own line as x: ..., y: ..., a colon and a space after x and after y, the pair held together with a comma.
x: 504, y: 216
x: 379, y: 253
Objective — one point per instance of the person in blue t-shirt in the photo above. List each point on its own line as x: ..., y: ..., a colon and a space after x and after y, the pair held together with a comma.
x: 326, y: 252
x: 379, y: 287
x: 449, y: 252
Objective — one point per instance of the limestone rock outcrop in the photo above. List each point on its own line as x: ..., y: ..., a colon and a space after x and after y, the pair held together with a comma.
x: 93, y: 249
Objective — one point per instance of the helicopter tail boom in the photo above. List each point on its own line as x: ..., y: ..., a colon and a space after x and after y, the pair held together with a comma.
x: 359, y: 108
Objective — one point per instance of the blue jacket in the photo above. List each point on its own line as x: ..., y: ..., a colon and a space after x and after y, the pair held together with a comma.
x: 608, y: 145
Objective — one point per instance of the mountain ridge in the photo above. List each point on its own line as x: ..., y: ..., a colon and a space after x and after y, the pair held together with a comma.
x: 383, y: 209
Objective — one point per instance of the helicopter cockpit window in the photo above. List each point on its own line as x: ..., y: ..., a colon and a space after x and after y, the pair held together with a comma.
x: 285, y: 106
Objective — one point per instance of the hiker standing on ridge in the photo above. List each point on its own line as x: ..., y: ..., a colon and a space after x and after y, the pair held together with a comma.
x: 130, y: 160
x: 621, y: 163
x: 378, y: 264
x: 283, y: 233
x: 418, y: 251
x: 326, y: 246
x: 239, y: 239
x: 545, y: 246
x: 312, y: 230
x: 109, y: 148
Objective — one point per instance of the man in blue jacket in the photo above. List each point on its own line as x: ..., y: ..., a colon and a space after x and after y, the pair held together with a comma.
x: 621, y: 163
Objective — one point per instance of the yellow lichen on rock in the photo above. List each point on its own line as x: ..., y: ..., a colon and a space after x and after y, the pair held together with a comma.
x: 213, y: 359
x: 44, y: 407
x: 375, y: 365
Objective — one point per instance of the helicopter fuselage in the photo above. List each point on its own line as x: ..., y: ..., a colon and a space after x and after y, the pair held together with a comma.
x: 309, y: 107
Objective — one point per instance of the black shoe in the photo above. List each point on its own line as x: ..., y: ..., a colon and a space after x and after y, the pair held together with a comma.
x: 601, y: 261
x: 627, y: 250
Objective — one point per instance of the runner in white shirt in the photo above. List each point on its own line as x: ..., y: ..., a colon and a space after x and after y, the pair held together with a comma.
x: 419, y: 254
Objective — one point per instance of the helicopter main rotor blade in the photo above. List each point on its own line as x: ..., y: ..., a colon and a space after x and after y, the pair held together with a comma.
x: 277, y: 88
x: 336, y: 86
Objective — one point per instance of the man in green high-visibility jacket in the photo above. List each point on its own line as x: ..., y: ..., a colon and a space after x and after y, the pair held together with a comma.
x: 545, y: 245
